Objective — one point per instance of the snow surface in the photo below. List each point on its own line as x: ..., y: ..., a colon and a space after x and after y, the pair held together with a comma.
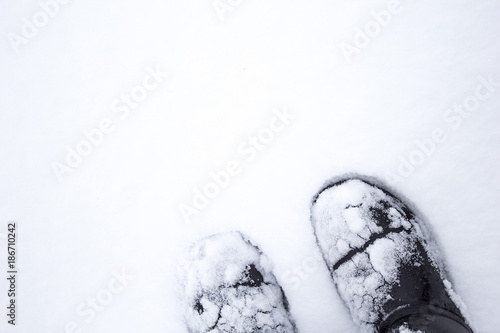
x: 119, y: 209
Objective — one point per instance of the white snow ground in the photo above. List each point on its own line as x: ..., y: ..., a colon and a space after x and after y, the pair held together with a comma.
x: 118, y: 213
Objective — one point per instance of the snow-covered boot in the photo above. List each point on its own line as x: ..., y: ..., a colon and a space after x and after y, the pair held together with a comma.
x: 384, y: 261
x: 228, y: 286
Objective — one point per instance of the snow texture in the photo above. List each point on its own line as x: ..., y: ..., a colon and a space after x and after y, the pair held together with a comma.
x: 405, y: 329
x: 228, y: 286
x: 120, y: 206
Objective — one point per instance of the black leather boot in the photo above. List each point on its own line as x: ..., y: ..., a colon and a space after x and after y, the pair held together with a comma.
x: 383, y: 260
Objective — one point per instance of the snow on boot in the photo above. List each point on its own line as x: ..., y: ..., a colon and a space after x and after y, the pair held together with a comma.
x: 228, y: 286
x: 383, y: 260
